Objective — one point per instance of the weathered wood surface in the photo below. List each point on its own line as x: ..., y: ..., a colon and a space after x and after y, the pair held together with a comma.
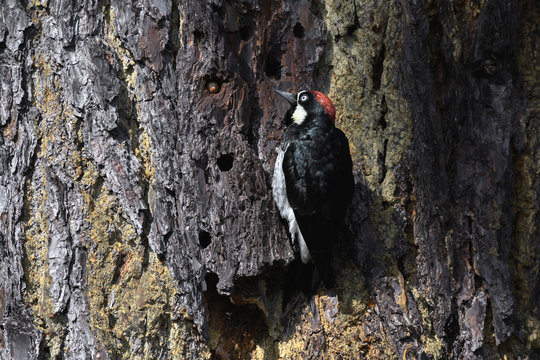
x: 136, y: 217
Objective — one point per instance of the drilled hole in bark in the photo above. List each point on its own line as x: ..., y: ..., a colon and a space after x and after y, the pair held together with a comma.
x: 197, y: 35
x: 219, y: 10
x: 225, y: 162
x: 204, y: 239
x: 378, y: 68
x: 298, y: 31
x: 272, y: 67
x: 112, y: 320
x: 245, y: 32
x: 211, y: 280
x: 384, y: 110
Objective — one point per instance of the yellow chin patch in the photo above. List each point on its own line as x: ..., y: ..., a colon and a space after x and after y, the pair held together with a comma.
x: 299, y: 114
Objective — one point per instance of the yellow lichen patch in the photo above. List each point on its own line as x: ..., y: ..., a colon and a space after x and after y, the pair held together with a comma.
x: 46, y: 98
x: 37, y: 278
x: 35, y: 246
x: 344, y: 331
x: 180, y: 25
x: 129, y: 70
x: 144, y: 154
x: 38, y: 3
x: 533, y: 328
x: 57, y: 125
x: 295, y: 346
x: 346, y: 339
x: 55, y: 117
x: 141, y: 142
x: 422, y: 309
x: 433, y: 346
x: 130, y: 291
x: 338, y: 326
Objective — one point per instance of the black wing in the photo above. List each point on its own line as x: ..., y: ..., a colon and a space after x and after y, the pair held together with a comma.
x: 319, y: 181
x: 318, y: 172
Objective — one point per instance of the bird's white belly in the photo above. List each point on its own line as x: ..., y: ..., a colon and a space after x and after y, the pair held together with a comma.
x: 279, y: 190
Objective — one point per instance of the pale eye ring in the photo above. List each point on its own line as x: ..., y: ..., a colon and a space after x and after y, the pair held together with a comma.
x: 303, y: 97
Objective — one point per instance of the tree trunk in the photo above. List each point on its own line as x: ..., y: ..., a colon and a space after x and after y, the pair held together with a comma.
x: 136, y: 151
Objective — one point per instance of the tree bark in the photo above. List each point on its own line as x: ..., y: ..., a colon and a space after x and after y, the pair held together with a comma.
x: 136, y: 152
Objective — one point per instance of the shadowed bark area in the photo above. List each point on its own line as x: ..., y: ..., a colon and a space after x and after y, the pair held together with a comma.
x: 136, y: 153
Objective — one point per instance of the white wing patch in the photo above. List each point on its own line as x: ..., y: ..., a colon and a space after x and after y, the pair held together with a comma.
x: 279, y: 191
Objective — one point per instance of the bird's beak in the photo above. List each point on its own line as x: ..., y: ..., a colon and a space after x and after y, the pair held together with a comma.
x: 288, y: 96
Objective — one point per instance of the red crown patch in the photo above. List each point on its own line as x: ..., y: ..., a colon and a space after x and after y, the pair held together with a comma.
x: 326, y: 103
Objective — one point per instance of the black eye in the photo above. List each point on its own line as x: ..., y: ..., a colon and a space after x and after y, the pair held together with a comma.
x: 303, y: 98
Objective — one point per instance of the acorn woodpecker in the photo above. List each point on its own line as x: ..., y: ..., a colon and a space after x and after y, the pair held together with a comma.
x: 313, y: 183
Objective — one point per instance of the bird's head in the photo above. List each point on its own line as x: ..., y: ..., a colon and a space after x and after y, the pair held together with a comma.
x: 308, y: 104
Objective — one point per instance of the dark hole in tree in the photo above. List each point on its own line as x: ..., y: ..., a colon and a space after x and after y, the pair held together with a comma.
x: 219, y: 10
x: 378, y: 68
x: 272, y: 66
x: 204, y: 239
x: 197, y: 35
x: 384, y: 110
x: 240, y: 326
x: 245, y: 32
x: 225, y: 162
x: 120, y: 133
x: 112, y: 320
x: 211, y: 279
x: 298, y: 30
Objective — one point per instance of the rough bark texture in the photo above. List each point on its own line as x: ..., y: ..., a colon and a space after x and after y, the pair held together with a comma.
x: 136, y: 217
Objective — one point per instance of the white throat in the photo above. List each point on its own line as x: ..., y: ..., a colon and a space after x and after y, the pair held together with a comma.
x: 299, y: 114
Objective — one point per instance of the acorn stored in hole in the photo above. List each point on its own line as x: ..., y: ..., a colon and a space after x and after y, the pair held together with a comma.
x: 212, y: 87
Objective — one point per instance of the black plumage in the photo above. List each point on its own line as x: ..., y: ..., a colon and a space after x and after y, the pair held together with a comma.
x: 317, y: 169
x: 318, y: 177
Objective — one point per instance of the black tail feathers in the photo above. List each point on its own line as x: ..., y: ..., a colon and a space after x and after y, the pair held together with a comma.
x: 306, y: 278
